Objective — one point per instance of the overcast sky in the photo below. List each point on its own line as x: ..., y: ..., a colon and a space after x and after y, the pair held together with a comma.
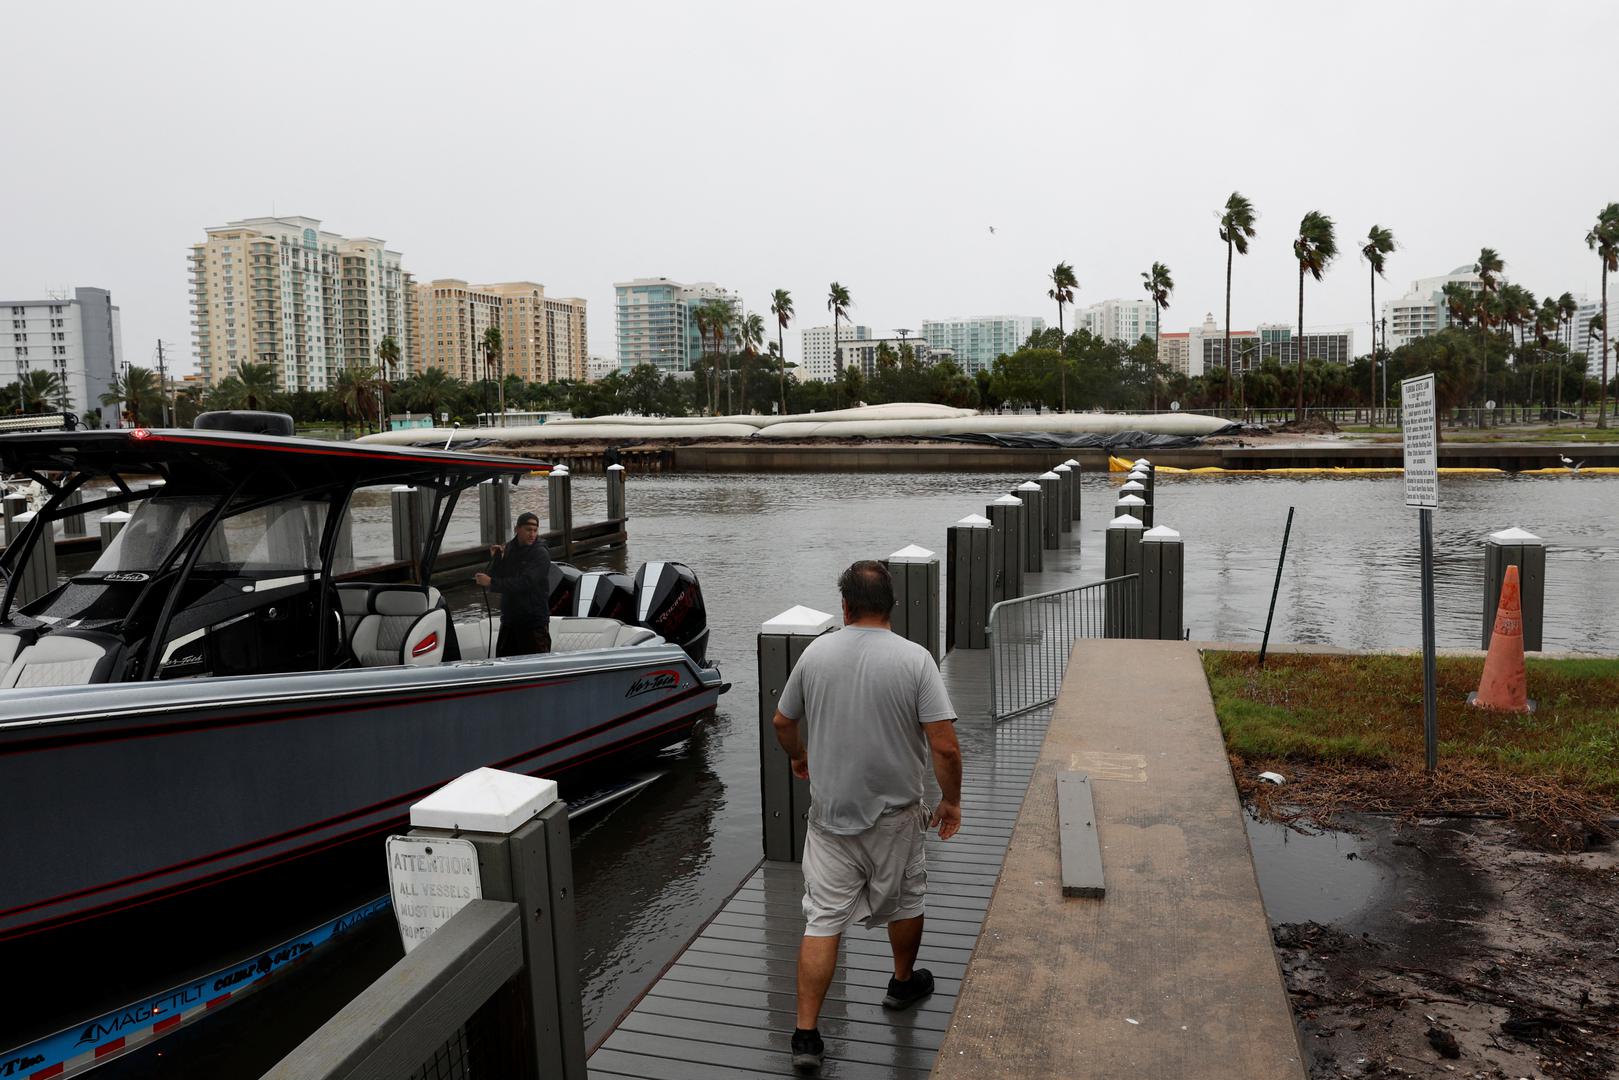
x: 775, y: 145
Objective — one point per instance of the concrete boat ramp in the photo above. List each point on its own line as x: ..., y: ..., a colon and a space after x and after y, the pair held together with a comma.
x: 1170, y: 974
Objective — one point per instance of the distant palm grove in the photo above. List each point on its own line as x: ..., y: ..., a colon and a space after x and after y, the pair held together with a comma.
x: 1502, y: 345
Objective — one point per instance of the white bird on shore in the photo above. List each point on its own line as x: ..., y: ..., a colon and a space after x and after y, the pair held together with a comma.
x: 1570, y: 464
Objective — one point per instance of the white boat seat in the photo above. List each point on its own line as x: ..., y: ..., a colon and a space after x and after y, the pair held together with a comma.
x: 354, y: 602
x: 58, y: 660
x: 579, y: 634
x: 10, y: 646
x: 403, y: 626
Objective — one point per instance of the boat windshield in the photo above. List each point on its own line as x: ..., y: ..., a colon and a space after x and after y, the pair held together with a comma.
x: 279, y: 537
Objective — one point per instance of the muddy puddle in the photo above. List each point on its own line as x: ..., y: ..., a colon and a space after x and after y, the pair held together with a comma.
x: 1441, y: 947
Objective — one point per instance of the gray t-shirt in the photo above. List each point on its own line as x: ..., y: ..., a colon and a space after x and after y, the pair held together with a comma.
x: 861, y: 696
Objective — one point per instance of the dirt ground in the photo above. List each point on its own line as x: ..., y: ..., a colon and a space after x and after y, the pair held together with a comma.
x: 1493, y: 956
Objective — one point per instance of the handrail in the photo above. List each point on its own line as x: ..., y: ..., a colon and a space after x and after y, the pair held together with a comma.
x: 1030, y: 637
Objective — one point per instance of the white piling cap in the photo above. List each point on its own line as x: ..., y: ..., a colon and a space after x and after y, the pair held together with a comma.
x: 1071, y: 463
x: 1161, y: 534
x: 25, y: 516
x: 615, y: 468
x: 973, y: 521
x: 1513, y: 535
x: 117, y: 515
x: 155, y: 484
x: 1061, y: 469
x: 1028, y: 485
x: 1124, y: 521
x: 798, y: 620
x: 1132, y: 485
x: 559, y: 470
x: 912, y: 553
x: 1049, y: 476
x: 1137, y: 474
x: 484, y: 800
x: 1131, y: 500
x: 402, y: 487
x: 1142, y: 461
x: 1009, y: 500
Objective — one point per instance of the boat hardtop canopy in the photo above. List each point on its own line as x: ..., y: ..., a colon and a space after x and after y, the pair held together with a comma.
x: 259, y: 465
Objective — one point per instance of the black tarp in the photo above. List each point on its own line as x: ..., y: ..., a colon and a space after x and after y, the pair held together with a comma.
x: 1113, y: 440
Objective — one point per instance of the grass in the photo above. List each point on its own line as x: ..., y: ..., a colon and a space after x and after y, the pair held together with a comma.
x: 1367, y: 711
x: 1506, y: 434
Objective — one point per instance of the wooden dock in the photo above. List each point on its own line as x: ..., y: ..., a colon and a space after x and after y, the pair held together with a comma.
x: 725, y: 1008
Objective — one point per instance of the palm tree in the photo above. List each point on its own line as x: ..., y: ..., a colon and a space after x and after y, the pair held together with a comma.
x: 781, y: 306
x: 134, y: 391
x: 1604, y: 240
x: 1159, y: 285
x: 1314, y: 248
x: 429, y: 390
x: 491, y: 359
x: 838, y: 303
x: 1063, y: 284
x: 1488, y: 266
x: 1379, y: 243
x: 38, y: 391
x: 388, y: 361
x: 1567, y: 308
x: 749, y: 331
x: 1458, y: 302
x: 354, y: 391
x: 258, y: 382
x: 1236, y: 229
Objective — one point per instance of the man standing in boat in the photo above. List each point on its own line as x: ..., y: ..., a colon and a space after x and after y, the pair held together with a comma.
x: 521, y: 573
x: 861, y: 717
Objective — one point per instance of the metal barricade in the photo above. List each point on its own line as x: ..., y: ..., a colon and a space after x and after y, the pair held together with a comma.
x: 1030, y: 638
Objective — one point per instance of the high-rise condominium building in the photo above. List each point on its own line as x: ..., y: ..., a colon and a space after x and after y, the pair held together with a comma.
x: 1124, y: 321
x: 310, y: 303
x: 978, y: 341
x: 1174, y: 352
x: 1422, y: 310
x: 819, y: 363
x: 1278, y: 342
x: 656, y: 322
x: 77, y: 340
x: 865, y: 353
x: 543, y: 338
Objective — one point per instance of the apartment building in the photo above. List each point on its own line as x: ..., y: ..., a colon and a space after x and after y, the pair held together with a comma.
x: 977, y: 341
x: 80, y: 341
x: 1123, y: 321
x: 1174, y: 353
x: 1422, y: 310
x: 656, y: 325
x: 862, y: 352
x: 282, y: 291
x: 543, y: 338
x: 819, y: 363
x: 1278, y: 342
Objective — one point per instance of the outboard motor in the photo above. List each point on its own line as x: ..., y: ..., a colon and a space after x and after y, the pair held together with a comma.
x: 669, y: 602
x: 564, y: 588
x: 604, y: 594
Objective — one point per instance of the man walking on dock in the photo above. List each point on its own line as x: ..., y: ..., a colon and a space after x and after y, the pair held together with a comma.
x: 521, y: 573
x: 861, y: 715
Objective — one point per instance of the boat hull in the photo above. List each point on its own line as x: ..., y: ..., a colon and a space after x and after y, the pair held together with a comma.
x: 136, y: 811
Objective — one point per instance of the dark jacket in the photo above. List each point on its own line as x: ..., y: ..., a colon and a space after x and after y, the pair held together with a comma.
x: 522, y: 577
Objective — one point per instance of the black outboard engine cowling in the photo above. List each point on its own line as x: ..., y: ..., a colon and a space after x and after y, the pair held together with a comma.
x: 604, y: 594
x: 669, y: 602
x: 564, y: 588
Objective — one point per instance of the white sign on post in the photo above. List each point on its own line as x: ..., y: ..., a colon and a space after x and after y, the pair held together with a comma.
x: 431, y: 878
x: 1418, y: 412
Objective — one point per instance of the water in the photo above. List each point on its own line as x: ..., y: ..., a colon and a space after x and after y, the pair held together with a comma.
x: 652, y: 870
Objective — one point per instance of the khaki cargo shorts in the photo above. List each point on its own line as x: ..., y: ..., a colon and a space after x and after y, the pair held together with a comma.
x: 878, y: 876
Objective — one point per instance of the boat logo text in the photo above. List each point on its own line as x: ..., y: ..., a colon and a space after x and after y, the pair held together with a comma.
x: 653, y: 681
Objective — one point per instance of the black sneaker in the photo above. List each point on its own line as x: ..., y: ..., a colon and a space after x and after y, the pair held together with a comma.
x: 904, y: 994
x: 808, y: 1049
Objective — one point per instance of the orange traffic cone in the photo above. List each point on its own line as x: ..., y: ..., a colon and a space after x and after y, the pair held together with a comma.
x: 1505, y: 685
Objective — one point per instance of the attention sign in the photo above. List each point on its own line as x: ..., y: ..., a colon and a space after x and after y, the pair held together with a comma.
x: 431, y: 879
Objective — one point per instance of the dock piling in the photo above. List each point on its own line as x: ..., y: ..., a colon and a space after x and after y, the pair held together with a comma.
x: 915, y: 571
x: 1163, y: 563
x: 1006, y: 545
x: 560, y: 492
x: 38, y: 577
x: 1123, y: 557
x: 1050, y: 510
x: 785, y: 798
x: 73, y: 524
x: 411, y: 508
x: 1074, y: 470
x: 1526, y: 551
x: 494, y: 511
x: 1070, y: 492
x: 1132, y: 505
x: 1033, y: 526
x: 110, y: 525
x: 967, y: 550
x: 616, y: 506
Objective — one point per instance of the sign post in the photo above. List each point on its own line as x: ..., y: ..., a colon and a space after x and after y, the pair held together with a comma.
x: 1418, y: 418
